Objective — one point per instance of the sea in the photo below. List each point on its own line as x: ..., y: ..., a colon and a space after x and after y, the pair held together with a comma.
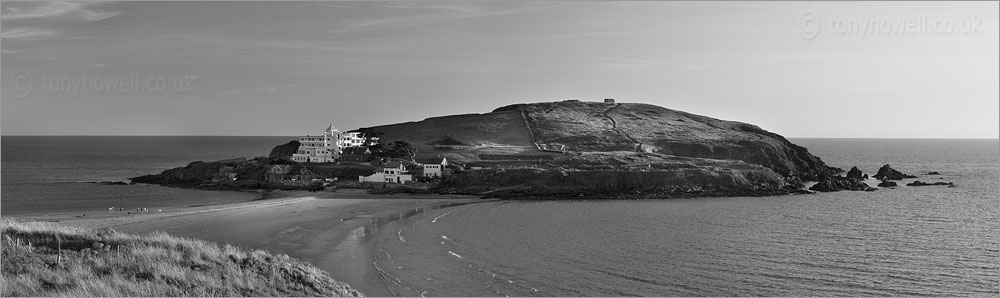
x: 902, y: 241
x: 53, y: 174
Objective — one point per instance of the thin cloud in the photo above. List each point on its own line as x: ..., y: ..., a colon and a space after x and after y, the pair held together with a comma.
x: 404, y: 5
x: 6, y: 51
x: 272, y: 89
x: 396, y: 22
x: 25, y: 33
x: 56, y: 9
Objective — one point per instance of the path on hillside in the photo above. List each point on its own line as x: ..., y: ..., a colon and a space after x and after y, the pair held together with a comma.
x: 531, y: 132
x: 614, y: 126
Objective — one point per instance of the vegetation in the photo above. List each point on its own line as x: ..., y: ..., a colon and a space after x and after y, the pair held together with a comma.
x: 284, y: 150
x: 45, y: 259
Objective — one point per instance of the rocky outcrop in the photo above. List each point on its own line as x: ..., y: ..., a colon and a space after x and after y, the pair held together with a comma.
x: 933, y: 173
x: 921, y: 183
x: 887, y: 172
x: 284, y: 150
x: 622, y: 175
x: 854, y: 173
x: 839, y: 183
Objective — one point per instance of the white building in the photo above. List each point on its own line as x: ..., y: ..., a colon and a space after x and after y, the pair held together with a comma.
x: 392, y: 172
x: 324, y: 148
x: 434, y: 166
x: 351, y: 139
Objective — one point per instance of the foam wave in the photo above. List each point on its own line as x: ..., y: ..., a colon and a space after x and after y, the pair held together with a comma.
x: 439, y: 216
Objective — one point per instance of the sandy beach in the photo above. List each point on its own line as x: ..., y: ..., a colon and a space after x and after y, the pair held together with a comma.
x: 326, y: 229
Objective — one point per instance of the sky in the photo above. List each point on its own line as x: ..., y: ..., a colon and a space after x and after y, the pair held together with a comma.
x: 800, y: 69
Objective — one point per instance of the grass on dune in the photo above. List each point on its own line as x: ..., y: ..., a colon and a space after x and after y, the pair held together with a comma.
x: 47, y: 259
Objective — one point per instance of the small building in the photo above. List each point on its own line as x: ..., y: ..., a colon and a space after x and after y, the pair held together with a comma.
x: 391, y: 172
x: 609, y: 100
x: 228, y: 171
x: 433, y: 166
x: 278, y: 172
x: 356, y: 155
x: 303, y: 174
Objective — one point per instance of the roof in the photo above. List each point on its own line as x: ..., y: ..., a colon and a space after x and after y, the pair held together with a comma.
x: 331, y: 128
x: 279, y: 169
x: 431, y: 160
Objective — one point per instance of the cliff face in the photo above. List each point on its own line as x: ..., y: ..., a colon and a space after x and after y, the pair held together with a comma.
x: 553, y: 128
x: 621, y: 175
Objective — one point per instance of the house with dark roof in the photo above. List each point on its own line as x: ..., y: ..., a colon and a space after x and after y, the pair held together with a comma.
x: 278, y: 172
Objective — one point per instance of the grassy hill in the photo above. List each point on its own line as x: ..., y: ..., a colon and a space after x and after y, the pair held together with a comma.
x: 45, y: 259
x: 464, y: 137
x: 549, y: 128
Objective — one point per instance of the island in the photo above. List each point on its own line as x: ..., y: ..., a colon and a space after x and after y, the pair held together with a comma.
x: 547, y: 150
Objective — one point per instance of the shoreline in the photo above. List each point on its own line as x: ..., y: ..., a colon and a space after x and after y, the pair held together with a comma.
x: 327, y: 229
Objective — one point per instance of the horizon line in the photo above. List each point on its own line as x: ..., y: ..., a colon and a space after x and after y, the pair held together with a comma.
x: 174, y: 135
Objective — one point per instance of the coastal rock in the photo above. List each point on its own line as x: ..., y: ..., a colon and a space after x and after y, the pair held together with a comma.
x: 284, y: 150
x: 921, y: 183
x: 854, y: 173
x: 933, y: 173
x: 668, y: 177
x: 887, y: 183
x: 838, y: 183
x: 887, y: 172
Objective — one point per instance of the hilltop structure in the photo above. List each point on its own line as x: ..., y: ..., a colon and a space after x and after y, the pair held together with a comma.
x: 329, y: 146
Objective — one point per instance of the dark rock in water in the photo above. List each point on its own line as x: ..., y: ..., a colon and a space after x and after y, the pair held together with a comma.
x: 887, y: 172
x: 111, y: 183
x: 871, y: 189
x: 920, y: 183
x: 838, y: 183
x: 933, y: 173
x: 887, y: 183
x: 854, y: 173
x: 285, y: 150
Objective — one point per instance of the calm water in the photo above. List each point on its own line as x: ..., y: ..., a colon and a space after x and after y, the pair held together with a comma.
x: 46, y: 173
x: 907, y: 241
x: 935, y: 241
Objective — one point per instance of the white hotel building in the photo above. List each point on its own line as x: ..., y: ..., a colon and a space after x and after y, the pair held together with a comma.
x: 327, y: 147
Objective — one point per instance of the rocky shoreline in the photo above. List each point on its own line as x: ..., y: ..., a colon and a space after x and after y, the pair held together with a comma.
x: 854, y: 181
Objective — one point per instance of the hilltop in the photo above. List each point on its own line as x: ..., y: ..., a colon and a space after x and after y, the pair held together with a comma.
x: 46, y: 259
x: 572, y: 128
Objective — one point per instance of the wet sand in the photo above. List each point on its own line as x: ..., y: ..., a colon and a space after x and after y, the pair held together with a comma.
x: 327, y: 229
